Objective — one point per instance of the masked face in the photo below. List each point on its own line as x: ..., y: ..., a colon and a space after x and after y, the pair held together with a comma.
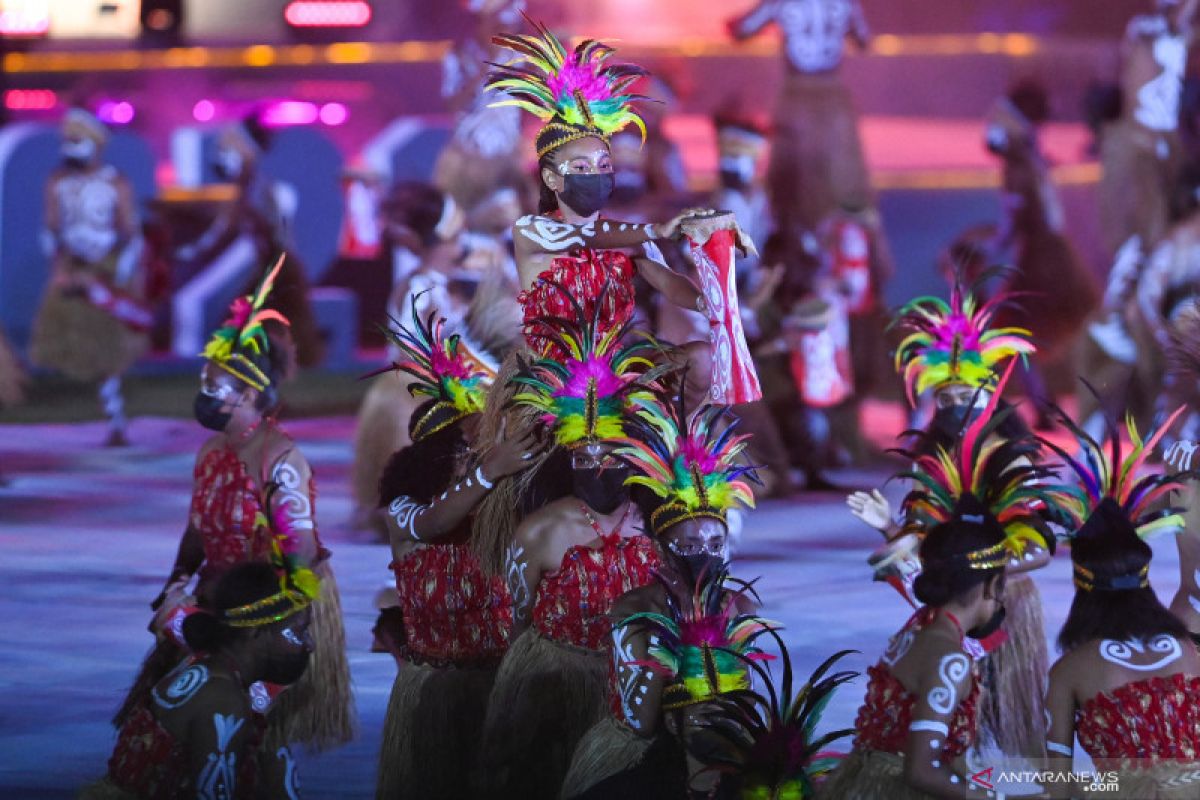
x: 216, y: 400
x: 78, y: 152
x: 737, y: 171
x: 587, y: 194
x: 699, y: 547
x: 599, y: 479
x: 289, y: 650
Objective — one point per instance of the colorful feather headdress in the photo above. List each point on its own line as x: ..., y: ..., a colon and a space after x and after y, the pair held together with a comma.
x: 991, y: 474
x: 692, y: 463
x: 446, y: 369
x: 577, y: 94
x: 587, y: 395
x: 243, y: 333
x: 952, y: 343
x: 699, y: 646
x: 1110, y: 499
x: 768, y: 740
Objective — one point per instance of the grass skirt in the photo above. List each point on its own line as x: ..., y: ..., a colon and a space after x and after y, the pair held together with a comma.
x: 105, y: 789
x: 546, y: 697
x: 1011, y: 702
x: 613, y: 761
x: 1177, y: 780
x: 869, y: 775
x: 432, y: 731
x: 74, y: 337
x: 607, y: 749
x: 318, y: 710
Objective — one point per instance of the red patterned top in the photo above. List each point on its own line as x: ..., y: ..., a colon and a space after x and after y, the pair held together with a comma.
x: 583, y: 274
x: 149, y: 761
x: 454, y: 613
x: 225, y: 507
x: 1156, y: 718
x: 886, y: 713
x: 571, y: 605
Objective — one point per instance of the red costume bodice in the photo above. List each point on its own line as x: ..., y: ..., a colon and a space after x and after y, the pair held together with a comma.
x: 583, y: 275
x: 225, y: 511
x: 1156, y: 718
x: 571, y: 605
x: 454, y: 613
x: 149, y: 761
x: 886, y: 713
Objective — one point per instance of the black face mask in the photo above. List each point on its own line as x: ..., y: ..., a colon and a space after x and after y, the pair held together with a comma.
x: 699, y: 566
x: 587, y: 194
x: 207, y: 410
x: 950, y: 421
x: 285, y: 669
x: 603, y: 490
x: 991, y: 626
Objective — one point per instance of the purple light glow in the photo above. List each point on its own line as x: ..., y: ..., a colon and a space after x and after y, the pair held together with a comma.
x: 290, y: 112
x: 115, y: 113
x: 204, y: 111
x: 334, y: 114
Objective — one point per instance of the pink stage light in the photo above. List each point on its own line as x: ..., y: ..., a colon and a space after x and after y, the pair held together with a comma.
x: 30, y: 99
x: 204, y: 111
x: 334, y: 114
x: 327, y: 13
x: 24, y: 18
x: 290, y: 112
x: 115, y: 113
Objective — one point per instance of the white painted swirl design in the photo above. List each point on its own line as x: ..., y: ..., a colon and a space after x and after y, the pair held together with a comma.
x: 1121, y: 653
x: 951, y: 670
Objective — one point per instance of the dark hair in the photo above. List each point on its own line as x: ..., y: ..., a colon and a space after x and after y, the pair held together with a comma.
x: 1102, y: 104
x: 945, y: 572
x: 547, y: 200
x: 418, y: 207
x: 1123, y: 614
x: 241, y: 585
x: 424, y: 469
x: 1029, y: 97
x: 1011, y: 427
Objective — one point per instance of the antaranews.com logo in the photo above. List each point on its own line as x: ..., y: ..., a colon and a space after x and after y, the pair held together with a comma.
x: 993, y: 779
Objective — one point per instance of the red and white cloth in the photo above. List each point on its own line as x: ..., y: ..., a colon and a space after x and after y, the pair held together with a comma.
x: 712, y: 240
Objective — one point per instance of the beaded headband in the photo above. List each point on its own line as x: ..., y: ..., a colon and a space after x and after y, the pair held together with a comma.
x: 281, y: 605
x: 1086, y: 580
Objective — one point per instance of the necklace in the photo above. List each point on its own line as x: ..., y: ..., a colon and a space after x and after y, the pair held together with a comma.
x: 596, y: 525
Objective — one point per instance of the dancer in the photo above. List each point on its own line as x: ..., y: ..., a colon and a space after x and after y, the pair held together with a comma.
x: 919, y: 715
x: 1129, y: 671
x: 1055, y: 291
x: 253, y: 486
x: 816, y: 163
x: 1183, y: 359
x: 677, y: 642
x: 583, y: 101
x: 92, y: 325
x: 253, y: 228
x: 199, y: 733
x: 570, y: 560
x: 454, y: 618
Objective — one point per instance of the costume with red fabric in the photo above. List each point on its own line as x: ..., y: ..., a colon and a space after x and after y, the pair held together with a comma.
x: 1152, y: 719
x: 584, y: 275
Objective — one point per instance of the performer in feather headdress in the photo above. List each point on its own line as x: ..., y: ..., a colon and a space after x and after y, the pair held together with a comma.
x: 1183, y: 374
x: 447, y: 622
x: 1132, y: 659
x: 571, y: 559
x: 676, y: 642
x: 765, y: 742
x: 254, y: 492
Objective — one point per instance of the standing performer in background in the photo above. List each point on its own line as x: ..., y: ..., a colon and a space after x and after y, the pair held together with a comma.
x: 91, y: 325
x: 1183, y: 362
x: 254, y: 491
x: 254, y: 228
x: 1053, y: 291
x: 1141, y: 157
x: 1128, y: 677
x: 817, y: 160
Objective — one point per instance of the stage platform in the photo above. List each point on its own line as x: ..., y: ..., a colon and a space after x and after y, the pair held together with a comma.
x: 88, y: 535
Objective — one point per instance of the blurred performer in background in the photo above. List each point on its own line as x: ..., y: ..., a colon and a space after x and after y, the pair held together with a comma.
x: 741, y: 142
x: 92, y: 324
x: 479, y: 163
x: 254, y: 228
x: 1141, y: 157
x: 1054, y: 292
x: 817, y: 160
x: 252, y: 500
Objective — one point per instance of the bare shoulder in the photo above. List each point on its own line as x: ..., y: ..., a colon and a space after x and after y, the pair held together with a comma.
x: 545, y: 518
x: 642, y: 599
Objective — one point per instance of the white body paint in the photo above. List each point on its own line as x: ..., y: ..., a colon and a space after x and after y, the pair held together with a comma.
x: 404, y: 510
x: 629, y: 676
x: 1121, y: 653
x: 293, y: 496
x: 218, y: 778
x: 518, y: 586
x: 183, y: 687
x: 1180, y: 454
x: 898, y: 647
x: 291, y: 780
x: 554, y: 236
x: 929, y: 726
x: 951, y: 669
